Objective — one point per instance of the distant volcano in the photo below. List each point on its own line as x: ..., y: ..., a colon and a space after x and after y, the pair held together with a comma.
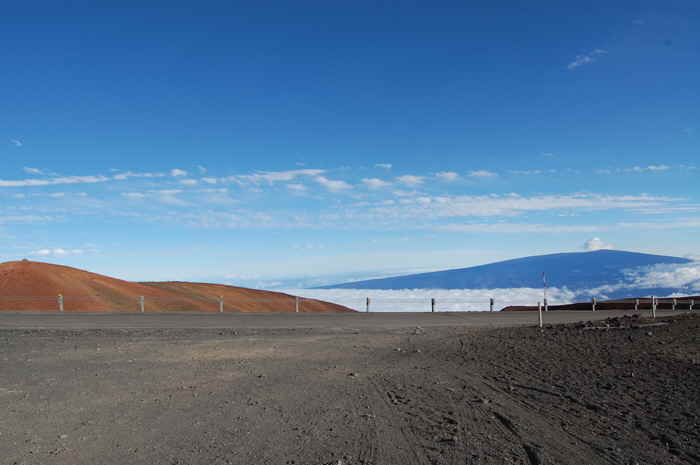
x: 614, y: 273
x: 27, y: 285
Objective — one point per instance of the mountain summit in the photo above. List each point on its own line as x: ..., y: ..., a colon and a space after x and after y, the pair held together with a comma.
x: 575, y: 271
x: 28, y: 285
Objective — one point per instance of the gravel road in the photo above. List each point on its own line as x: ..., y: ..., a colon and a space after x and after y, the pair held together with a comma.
x: 349, y: 393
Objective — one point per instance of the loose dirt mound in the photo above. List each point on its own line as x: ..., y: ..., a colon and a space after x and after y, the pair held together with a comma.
x: 26, y: 285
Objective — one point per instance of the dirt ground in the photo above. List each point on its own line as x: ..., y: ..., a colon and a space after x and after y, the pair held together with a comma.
x: 572, y: 394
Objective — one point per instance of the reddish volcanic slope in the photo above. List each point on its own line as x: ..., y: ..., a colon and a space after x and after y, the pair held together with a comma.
x: 27, y: 285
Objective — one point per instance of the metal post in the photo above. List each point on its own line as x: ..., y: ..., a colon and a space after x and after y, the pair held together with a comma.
x: 546, y: 305
x: 296, y: 304
x: 491, y: 304
x: 673, y: 304
x: 593, y: 303
x: 432, y: 305
x: 60, y: 302
x: 636, y: 305
x: 539, y: 310
x: 692, y: 303
x: 653, y: 307
x: 367, y: 305
x: 221, y: 304
x: 141, y: 304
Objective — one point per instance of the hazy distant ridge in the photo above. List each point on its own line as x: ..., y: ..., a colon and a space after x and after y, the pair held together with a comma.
x: 577, y: 270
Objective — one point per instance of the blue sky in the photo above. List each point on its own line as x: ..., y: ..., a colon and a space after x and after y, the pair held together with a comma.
x: 258, y: 143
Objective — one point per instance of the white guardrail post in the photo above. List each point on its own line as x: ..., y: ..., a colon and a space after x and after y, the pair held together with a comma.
x: 142, y: 305
x: 539, y: 312
x: 296, y: 304
x: 60, y: 302
x: 221, y: 304
x: 653, y: 307
x: 593, y: 303
x: 692, y: 304
x: 673, y: 304
x: 636, y: 305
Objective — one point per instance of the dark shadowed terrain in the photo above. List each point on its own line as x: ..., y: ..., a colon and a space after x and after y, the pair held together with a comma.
x: 619, y: 392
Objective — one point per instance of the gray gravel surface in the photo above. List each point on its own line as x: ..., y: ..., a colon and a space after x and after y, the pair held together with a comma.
x: 349, y: 394
x: 75, y: 320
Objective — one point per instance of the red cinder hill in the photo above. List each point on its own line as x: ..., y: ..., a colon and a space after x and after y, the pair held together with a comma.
x: 28, y: 285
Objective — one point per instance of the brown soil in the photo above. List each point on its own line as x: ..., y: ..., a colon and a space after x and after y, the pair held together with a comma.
x: 27, y: 285
x: 616, y: 392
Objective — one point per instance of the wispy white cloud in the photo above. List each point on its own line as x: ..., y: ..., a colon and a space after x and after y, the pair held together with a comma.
x: 532, y: 172
x: 586, y: 59
x: 29, y: 170
x: 386, y: 166
x: 296, y: 187
x: 512, y: 204
x: 332, y: 184
x: 189, y: 182
x: 201, y: 169
x: 659, y: 168
x: 58, y: 252
x: 239, y: 219
x: 218, y: 195
x: 447, y: 176
x: 515, y: 228
x: 178, y: 172
x: 275, y: 176
x: 133, y: 195
x: 375, y: 183
x: 16, y: 142
x: 641, y: 169
x: 410, y: 180
x: 405, y: 193
x: 169, y: 197
x: 164, y: 196
x: 54, y: 181
x: 482, y: 174
x: 131, y: 174
x: 591, y: 244
x: 669, y: 209
x: 662, y: 225
x: 25, y: 219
